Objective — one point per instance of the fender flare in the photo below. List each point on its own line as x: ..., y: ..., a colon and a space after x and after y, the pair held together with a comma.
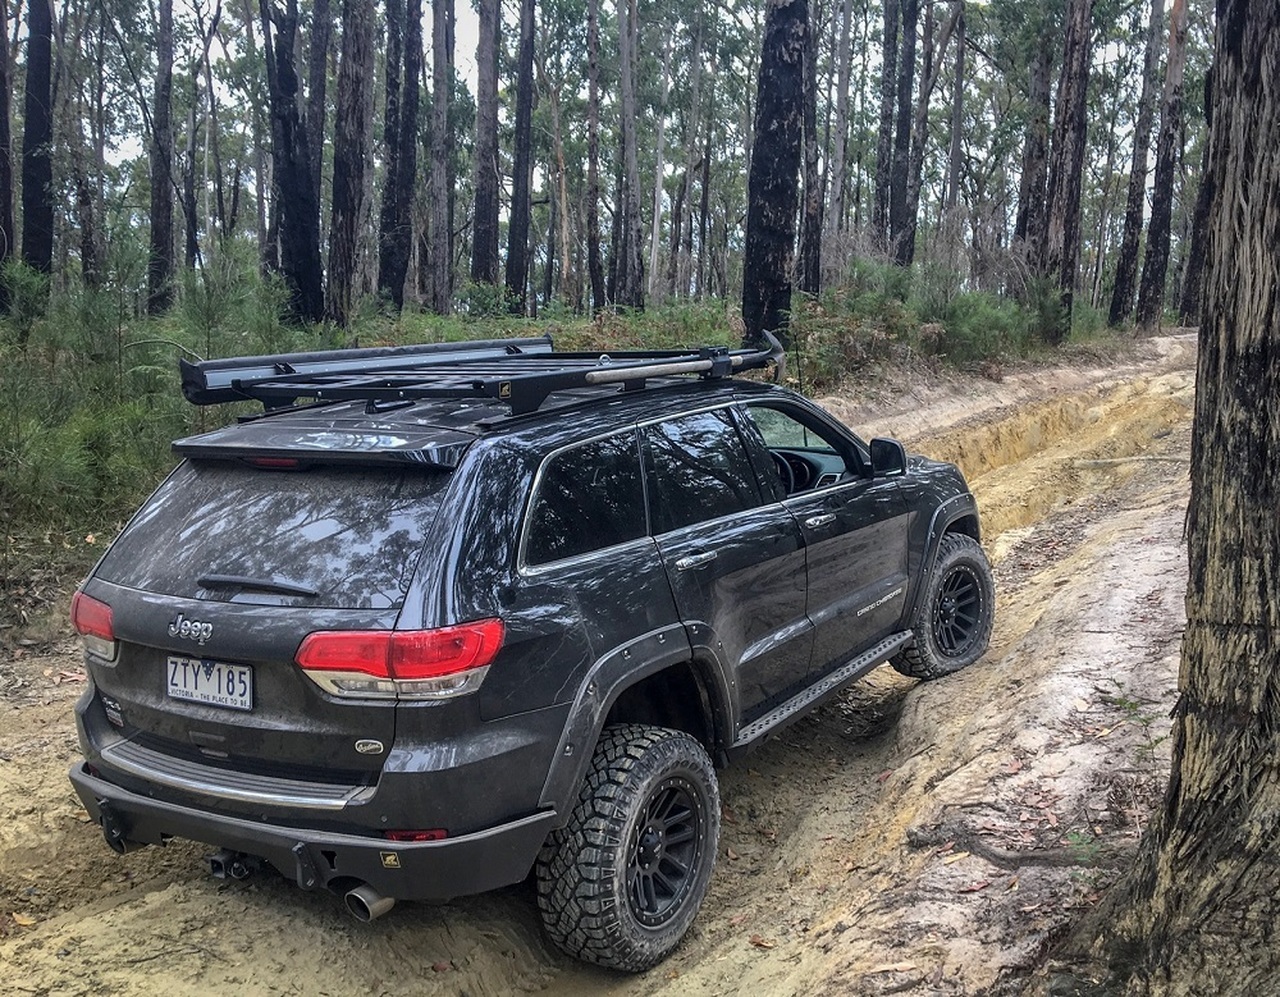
x: 960, y: 506
x: 606, y: 680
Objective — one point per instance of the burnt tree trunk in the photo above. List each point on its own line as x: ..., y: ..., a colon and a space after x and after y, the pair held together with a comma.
x: 773, y: 184
x: 404, y: 67
x: 900, y: 170
x: 1155, y: 262
x: 6, y: 155
x: 352, y: 126
x: 160, y: 261
x: 840, y: 151
x: 811, y: 229
x: 1197, y: 912
x: 884, y: 134
x: 296, y: 206
x: 37, y: 141
x: 1127, y: 263
x: 441, y: 224
x: 1029, y: 224
x: 317, y: 79
x: 1192, y: 280
x: 1061, y: 256
x: 484, y: 229
x: 517, y: 275
x: 595, y: 266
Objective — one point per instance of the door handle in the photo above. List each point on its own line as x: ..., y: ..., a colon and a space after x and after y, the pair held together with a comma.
x: 695, y: 560
x: 813, y: 522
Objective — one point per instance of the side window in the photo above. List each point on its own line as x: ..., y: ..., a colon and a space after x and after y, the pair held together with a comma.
x: 698, y: 470
x: 589, y: 497
x: 780, y: 429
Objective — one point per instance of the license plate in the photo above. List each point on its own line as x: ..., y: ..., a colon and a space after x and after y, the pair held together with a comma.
x: 216, y: 683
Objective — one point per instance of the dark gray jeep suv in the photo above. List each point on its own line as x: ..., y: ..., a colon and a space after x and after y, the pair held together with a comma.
x: 443, y: 615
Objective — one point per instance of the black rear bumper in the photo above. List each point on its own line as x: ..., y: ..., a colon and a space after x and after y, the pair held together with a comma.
x: 420, y: 870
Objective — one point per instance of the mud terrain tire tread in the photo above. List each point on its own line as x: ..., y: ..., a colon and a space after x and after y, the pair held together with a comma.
x: 922, y: 658
x: 582, y: 869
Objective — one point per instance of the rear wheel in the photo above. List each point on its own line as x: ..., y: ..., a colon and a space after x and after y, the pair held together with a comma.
x: 620, y: 884
x: 953, y: 620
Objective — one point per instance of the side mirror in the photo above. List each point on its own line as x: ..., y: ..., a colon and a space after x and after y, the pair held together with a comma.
x: 888, y: 458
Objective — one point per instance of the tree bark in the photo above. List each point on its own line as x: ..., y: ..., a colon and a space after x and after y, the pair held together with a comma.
x: 1127, y: 261
x: 296, y: 206
x: 441, y: 296
x: 317, y: 80
x: 772, y: 186
x: 630, y: 291
x: 811, y: 229
x: 840, y: 154
x: 517, y: 274
x: 1029, y: 225
x: 955, y: 154
x: 1192, y: 280
x: 681, y: 269
x: 1062, y: 231
x: 352, y: 127
x: 595, y: 266
x: 6, y: 155
x: 404, y: 68
x: 655, y: 231
x: 160, y: 261
x: 900, y: 171
x: 1197, y: 911
x: 484, y: 231
x: 1155, y: 262
x: 37, y: 140
x: 884, y: 134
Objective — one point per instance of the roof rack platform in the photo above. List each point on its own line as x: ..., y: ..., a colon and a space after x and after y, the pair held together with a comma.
x: 521, y: 373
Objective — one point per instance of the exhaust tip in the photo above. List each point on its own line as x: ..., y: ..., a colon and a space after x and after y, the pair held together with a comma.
x: 367, y: 904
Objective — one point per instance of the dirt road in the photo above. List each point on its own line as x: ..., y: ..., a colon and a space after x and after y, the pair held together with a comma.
x: 909, y: 838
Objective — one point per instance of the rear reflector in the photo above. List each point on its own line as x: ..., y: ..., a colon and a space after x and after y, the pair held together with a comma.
x: 436, y: 834
x: 404, y: 664
x: 93, y: 621
x: 275, y: 463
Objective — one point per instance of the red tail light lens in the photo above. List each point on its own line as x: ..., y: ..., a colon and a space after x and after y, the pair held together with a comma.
x: 406, y: 664
x: 93, y: 621
x: 436, y: 834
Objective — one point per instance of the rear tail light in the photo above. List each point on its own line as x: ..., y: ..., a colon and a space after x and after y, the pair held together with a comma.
x: 93, y: 621
x: 402, y: 664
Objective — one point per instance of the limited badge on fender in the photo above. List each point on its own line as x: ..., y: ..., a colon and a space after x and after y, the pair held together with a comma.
x: 390, y: 860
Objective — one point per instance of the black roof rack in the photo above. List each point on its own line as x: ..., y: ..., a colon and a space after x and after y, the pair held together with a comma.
x: 518, y: 372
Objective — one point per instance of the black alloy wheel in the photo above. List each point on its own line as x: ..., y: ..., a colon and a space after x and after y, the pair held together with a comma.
x: 957, y: 611
x: 665, y: 851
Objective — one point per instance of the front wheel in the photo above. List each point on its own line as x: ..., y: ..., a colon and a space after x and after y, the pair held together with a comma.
x: 621, y: 882
x: 953, y: 620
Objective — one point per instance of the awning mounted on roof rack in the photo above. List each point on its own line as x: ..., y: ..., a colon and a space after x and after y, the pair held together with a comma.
x: 518, y: 372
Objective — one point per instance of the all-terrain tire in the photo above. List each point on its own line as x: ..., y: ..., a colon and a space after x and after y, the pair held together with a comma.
x: 620, y: 884
x: 952, y: 624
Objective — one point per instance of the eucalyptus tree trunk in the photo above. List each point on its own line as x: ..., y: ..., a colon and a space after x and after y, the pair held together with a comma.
x: 160, y: 261
x: 884, y: 134
x: 297, y: 208
x: 484, y: 229
x: 6, y: 154
x: 1192, y: 280
x: 1029, y: 223
x: 404, y: 67
x: 353, y: 122
x: 630, y: 291
x: 317, y: 80
x: 1155, y: 262
x: 773, y: 183
x: 1127, y: 262
x: 681, y: 269
x: 1196, y: 913
x: 441, y: 225
x: 37, y: 141
x: 955, y: 151
x: 1062, y: 230
x: 900, y: 170
x: 811, y: 216
x: 836, y: 218
x: 517, y: 274
x: 655, y: 233
x: 595, y: 266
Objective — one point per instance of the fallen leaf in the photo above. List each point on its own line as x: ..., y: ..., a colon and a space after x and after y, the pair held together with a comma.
x: 1082, y: 705
x: 737, y: 919
x: 1029, y: 908
x: 1013, y: 884
x: 893, y: 967
x: 26, y: 920
x: 1014, y: 766
x: 1051, y: 817
x: 945, y: 848
x: 761, y: 943
x: 981, y: 884
x: 955, y: 858
x: 90, y: 539
x: 884, y: 775
x: 441, y: 967
x: 728, y: 816
x: 1109, y: 730
x: 733, y: 856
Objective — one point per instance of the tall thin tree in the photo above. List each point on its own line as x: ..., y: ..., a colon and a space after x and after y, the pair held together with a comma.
x: 630, y: 256
x: 441, y: 223
x: 6, y: 155
x: 517, y: 275
x: 484, y: 230
x: 811, y: 210
x: 37, y: 140
x: 773, y: 185
x: 595, y: 266
x: 396, y: 236
x: 884, y: 133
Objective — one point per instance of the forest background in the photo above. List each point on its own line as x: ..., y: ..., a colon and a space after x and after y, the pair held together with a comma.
x: 208, y: 179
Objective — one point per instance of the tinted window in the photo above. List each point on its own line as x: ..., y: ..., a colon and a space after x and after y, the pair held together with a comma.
x: 588, y: 498
x: 699, y: 469
x: 351, y: 535
x: 780, y: 429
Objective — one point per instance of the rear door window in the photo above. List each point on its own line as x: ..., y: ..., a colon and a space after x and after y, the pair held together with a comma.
x: 698, y: 470
x: 588, y: 498
x: 352, y: 536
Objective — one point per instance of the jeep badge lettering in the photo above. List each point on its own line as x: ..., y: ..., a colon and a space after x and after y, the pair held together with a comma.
x: 190, y: 629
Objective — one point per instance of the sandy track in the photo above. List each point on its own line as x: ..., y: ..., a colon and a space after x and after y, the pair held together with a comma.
x: 909, y: 838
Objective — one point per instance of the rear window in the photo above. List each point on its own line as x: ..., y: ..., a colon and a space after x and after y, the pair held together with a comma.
x: 350, y: 535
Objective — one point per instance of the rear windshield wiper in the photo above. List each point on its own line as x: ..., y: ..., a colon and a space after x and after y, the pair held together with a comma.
x: 279, y: 585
